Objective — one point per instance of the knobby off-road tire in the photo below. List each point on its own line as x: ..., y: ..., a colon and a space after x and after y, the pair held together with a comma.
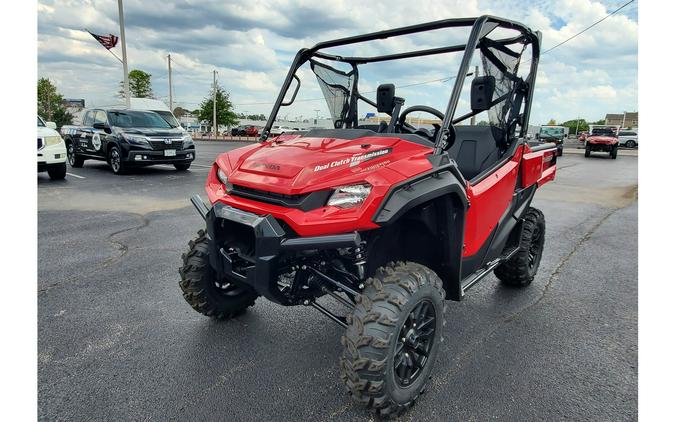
x: 613, y: 153
x: 520, y: 270
x: 57, y: 172
x: 203, y: 291
x: 370, y: 365
x: 587, y: 153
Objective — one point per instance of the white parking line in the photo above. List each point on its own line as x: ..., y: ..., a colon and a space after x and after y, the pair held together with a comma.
x: 75, y: 175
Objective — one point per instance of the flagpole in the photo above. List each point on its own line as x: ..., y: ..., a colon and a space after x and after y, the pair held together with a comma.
x: 124, y: 54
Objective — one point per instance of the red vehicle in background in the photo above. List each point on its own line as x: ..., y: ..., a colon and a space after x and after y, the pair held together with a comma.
x: 603, y: 139
x: 389, y: 219
x: 251, y: 130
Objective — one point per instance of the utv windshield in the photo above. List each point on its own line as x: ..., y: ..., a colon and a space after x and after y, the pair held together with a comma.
x: 138, y: 119
x: 345, y: 75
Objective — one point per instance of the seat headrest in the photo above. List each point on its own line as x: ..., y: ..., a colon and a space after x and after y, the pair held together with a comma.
x: 482, y: 89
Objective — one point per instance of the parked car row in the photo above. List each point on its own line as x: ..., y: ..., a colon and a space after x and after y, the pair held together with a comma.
x: 245, y: 130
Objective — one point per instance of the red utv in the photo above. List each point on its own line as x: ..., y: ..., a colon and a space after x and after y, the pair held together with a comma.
x: 388, y: 220
x: 603, y: 139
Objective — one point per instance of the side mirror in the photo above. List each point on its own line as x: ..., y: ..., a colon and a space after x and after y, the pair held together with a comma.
x: 482, y: 88
x: 100, y: 126
x: 385, y: 98
x: 50, y: 125
x: 536, y: 136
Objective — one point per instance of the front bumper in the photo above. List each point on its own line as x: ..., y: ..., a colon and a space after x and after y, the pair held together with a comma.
x: 147, y: 157
x: 53, y: 154
x: 601, y: 147
x: 246, y: 248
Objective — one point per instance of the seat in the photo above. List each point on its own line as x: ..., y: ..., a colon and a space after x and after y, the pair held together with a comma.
x: 476, y: 148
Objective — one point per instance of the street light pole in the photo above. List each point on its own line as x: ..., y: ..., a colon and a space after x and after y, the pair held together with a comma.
x: 215, y: 123
x: 124, y: 53
x: 170, y: 86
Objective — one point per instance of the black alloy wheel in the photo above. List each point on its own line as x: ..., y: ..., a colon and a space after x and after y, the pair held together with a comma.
x: 414, y: 343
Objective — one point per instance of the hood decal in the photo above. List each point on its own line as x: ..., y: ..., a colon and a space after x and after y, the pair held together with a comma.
x: 354, y: 160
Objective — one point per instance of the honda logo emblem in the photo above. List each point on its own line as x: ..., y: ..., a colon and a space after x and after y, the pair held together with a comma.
x: 167, y: 141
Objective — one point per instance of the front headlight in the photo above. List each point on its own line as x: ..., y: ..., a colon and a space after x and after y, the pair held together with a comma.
x: 349, y: 196
x: 187, y: 141
x: 222, y: 176
x: 52, y: 140
x: 136, y: 140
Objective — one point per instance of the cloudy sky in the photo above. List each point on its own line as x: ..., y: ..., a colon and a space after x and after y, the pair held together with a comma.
x: 251, y: 43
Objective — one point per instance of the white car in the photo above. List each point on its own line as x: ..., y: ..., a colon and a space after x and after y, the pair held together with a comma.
x: 278, y: 130
x: 628, y: 138
x: 51, y: 155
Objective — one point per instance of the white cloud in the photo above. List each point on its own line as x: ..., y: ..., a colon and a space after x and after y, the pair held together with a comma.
x: 252, y: 43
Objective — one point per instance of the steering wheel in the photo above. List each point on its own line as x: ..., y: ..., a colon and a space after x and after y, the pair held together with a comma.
x: 419, y: 131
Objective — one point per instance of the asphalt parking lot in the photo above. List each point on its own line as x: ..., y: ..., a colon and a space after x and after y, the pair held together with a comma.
x: 118, y: 342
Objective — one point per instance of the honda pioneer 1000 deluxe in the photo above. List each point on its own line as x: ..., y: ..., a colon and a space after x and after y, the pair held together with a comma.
x: 389, y: 219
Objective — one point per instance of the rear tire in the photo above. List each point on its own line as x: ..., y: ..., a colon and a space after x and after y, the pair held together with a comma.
x: 613, y: 153
x: 520, y: 270
x: 182, y: 167
x: 396, y: 325
x: 560, y: 152
x: 587, y: 153
x: 202, y: 290
x: 57, y: 172
x: 630, y: 144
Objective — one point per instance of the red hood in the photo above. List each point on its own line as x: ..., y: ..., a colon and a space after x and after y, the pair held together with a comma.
x: 291, y: 164
x: 601, y: 139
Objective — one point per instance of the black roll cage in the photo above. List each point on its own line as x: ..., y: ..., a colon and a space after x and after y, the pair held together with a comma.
x: 480, y: 28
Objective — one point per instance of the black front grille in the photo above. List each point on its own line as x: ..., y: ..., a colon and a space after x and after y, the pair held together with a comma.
x: 160, y: 145
x: 40, y: 143
x: 305, y: 202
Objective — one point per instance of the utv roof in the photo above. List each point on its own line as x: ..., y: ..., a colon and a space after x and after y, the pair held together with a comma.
x: 481, y: 27
x: 485, y: 24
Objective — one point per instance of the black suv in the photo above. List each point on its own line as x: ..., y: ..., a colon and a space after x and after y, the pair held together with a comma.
x: 126, y: 138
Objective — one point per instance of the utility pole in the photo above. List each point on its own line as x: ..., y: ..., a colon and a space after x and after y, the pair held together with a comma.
x: 577, y: 131
x: 473, y: 118
x: 124, y: 54
x: 215, y: 123
x: 170, y: 86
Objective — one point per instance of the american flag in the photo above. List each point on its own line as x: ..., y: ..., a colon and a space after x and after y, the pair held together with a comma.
x: 107, y: 41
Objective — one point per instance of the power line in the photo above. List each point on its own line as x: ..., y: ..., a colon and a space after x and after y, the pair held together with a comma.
x: 587, y: 28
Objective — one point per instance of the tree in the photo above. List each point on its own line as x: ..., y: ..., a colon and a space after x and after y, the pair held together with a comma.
x: 573, y: 124
x: 224, y: 114
x: 50, y: 103
x: 483, y: 123
x: 551, y: 122
x: 139, y: 85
